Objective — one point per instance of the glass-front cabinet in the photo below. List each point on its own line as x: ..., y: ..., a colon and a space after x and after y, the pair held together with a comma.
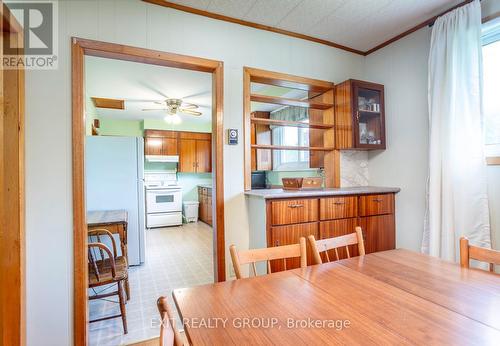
x: 360, y: 121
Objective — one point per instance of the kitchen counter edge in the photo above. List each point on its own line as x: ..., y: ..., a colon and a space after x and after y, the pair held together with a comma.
x: 345, y: 191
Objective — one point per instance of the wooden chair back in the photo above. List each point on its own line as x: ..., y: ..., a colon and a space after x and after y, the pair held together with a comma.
x: 96, y: 246
x: 253, y: 256
x: 169, y: 335
x: 324, y: 245
x: 468, y: 252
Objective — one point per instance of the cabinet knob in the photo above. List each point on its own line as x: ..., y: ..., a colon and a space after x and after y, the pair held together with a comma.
x: 295, y: 205
x: 338, y: 203
x: 377, y: 199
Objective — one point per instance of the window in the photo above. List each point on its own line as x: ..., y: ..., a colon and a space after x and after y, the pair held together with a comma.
x: 284, y: 160
x: 491, y: 87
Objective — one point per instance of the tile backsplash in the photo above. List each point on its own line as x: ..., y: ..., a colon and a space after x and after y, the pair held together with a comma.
x: 353, y: 168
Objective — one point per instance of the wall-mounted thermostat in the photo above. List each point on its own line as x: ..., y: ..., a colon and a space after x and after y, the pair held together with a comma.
x: 232, y: 136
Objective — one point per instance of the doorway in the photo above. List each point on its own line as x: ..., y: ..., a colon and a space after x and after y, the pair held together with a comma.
x: 12, y: 236
x: 81, y: 49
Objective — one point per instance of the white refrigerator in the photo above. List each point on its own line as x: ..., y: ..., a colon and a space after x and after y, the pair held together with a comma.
x: 115, y: 180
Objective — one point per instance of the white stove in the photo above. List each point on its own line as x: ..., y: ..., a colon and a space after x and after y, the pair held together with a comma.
x: 163, y: 199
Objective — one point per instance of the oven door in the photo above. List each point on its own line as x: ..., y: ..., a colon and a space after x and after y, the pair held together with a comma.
x: 163, y: 201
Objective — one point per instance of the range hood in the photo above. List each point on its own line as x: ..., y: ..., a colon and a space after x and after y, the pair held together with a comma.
x: 162, y: 158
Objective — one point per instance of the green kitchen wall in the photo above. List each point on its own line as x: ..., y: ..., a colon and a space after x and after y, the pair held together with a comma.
x: 135, y: 128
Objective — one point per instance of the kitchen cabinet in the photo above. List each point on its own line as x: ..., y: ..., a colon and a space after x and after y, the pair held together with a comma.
x: 205, y: 207
x: 195, y: 152
x: 290, y: 234
x: 359, y: 115
x: 160, y: 142
x: 194, y: 148
x: 288, y: 219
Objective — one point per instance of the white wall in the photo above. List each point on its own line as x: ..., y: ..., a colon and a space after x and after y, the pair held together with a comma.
x: 48, y: 129
x: 402, y: 68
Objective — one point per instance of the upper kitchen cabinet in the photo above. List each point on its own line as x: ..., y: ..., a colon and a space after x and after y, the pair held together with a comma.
x: 195, y: 152
x: 158, y: 142
x: 359, y: 115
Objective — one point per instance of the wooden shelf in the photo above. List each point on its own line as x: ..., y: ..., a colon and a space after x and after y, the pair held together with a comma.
x: 290, y: 102
x: 290, y: 123
x: 284, y: 147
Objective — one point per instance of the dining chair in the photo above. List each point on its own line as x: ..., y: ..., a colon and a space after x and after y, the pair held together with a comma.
x: 107, y: 269
x: 267, y: 255
x: 325, y: 245
x: 95, y: 234
x: 468, y: 252
x: 169, y: 335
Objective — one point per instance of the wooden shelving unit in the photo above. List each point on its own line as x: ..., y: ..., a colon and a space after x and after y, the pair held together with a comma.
x: 275, y: 122
x: 290, y: 102
x: 258, y: 123
x: 284, y: 147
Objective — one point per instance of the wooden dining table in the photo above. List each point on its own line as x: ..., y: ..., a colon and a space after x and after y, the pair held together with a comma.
x: 391, y: 297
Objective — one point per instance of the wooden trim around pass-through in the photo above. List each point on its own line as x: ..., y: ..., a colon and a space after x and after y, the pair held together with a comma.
x: 12, y: 190
x: 80, y: 48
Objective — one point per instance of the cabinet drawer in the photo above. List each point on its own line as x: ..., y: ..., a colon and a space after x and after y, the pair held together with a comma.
x: 376, y: 204
x: 294, y: 211
x: 338, y: 208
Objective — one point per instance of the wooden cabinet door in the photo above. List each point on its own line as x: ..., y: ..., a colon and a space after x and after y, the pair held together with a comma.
x: 287, y: 235
x: 153, y: 145
x: 209, y: 210
x: 337, y: 228
x: 169, y: 146
x: 203, y: 156
x: 187, y: 155
x: 379, y: 232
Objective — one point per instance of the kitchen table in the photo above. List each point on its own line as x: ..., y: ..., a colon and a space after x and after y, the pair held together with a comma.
x: 391, y: 297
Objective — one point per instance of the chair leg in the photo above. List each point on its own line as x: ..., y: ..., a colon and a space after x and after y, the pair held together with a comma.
x: 122, y: 307
x: 127, y: 289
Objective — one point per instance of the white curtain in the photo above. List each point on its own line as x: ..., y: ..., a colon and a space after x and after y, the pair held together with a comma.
x: 457, y: 202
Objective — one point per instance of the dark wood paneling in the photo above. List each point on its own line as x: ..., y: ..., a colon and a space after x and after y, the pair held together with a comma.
x: 337, y: 228
x: 287, y: 235
x: 294, y: 211
x: 376, y: 204
x: 338, y: 207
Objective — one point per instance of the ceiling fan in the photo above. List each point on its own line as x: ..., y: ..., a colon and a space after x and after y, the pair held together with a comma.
x: 174, y: 106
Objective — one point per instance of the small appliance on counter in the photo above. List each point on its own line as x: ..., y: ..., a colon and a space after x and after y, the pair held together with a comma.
x: 259, y: 180
x: 163, y: 199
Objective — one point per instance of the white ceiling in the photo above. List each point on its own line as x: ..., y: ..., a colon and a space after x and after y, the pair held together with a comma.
x: 359, y: 24
x: 136, y: 83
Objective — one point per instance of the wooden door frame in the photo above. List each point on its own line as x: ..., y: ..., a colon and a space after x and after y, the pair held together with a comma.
x: 12, y: 197
x: 81, y: 47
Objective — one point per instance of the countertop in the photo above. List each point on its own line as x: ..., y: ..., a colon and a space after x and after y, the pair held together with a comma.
x: 207, y: 186
x: 280, y: 193
x: 106, y: 217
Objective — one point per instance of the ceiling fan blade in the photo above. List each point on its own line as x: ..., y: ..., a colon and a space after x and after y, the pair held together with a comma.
x: 159, y: 102
x: 188, y: 111
x: 155, y: 109
x: 197, y: 94
x: 142, y: 100
x: 152, y: 88
x: 187, y: 105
